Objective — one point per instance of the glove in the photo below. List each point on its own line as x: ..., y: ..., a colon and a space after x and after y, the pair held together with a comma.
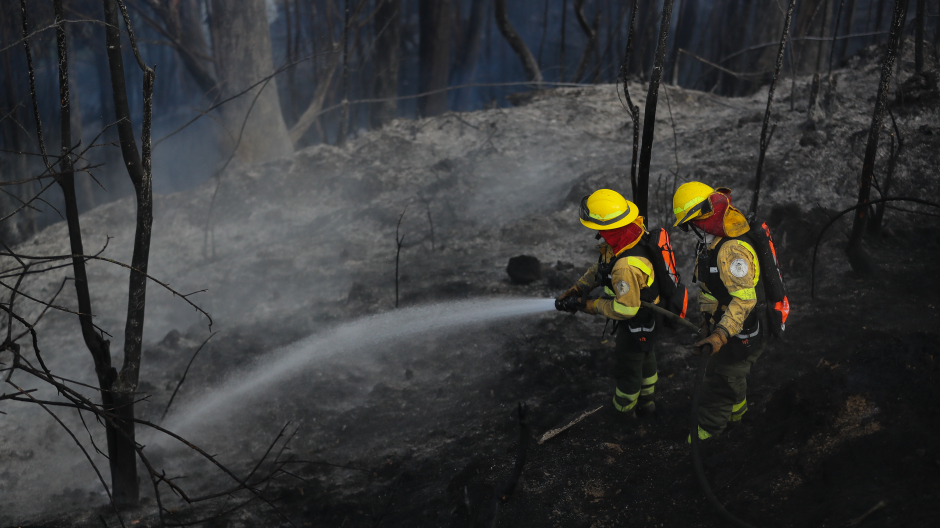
x: 575, y: 291
x: 717, y: 339
x: 588, y: 307
x: 568, y: 301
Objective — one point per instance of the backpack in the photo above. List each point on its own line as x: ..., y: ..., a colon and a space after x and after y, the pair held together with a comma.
x: 673, y: 295
x: 775, y: 289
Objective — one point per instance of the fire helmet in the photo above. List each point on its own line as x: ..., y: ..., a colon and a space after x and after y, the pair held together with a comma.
x: 691, y: 201
x: 606, y: 209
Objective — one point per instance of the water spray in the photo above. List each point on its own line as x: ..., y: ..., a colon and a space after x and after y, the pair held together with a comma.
x: 356, y: 336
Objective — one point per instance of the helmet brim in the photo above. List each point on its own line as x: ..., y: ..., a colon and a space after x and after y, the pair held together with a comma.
x: 628, y: 219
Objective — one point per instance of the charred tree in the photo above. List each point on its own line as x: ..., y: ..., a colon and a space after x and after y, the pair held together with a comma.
x: 435, y: 21
x: 123, y: 384
x: 529, y: 64
x: 649, y: 118
x: 857, y: 258
x: 685, y: 25
x: 387, y: 30
x: 590, y: 32
x: 241, y: 43
x: 847, y: 27
x: 634, y: 110
x: 919, y: 35
x: 564, y: 27
x: 465, y: 64
x: 764, y: 138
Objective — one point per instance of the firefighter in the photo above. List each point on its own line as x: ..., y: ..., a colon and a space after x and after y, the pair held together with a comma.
x: 731, y: 301
x: 626, y: 274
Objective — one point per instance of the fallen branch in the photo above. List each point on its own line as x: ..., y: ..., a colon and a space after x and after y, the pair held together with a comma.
x: 183, y: 377
x: 857, y: 521
x: 557, y: 431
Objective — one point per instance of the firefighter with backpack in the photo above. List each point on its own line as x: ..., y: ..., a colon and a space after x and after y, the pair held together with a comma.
x: 742, y: 298
x: 632, y: 267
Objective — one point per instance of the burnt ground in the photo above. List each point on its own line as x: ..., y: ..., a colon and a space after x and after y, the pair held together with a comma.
x: 843, y: 412
x: 842, y: 416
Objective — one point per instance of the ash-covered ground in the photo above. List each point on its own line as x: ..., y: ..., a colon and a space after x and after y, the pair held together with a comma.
x: 403, y: 428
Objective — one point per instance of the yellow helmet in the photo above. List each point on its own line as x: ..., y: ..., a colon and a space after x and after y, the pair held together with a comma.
x: 606, y: 209
x: 690, y: 200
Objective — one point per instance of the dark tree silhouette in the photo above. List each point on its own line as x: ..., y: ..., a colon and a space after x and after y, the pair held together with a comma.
x: 857, y: 258
x: 531, y: 67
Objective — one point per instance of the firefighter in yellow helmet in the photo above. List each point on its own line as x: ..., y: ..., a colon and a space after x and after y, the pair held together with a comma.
x: 731, y: 301
x: 625, y: 272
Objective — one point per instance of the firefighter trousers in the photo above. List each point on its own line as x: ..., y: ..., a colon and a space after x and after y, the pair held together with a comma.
x: 634, y: 369
x: 724, y: 389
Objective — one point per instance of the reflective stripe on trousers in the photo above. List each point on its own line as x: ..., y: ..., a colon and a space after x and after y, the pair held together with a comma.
x: 624, y: 406
x: 738, y: 410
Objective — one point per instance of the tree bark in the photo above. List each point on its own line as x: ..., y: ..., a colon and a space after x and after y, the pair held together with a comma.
x: 241, y: 41
x: 529, y: 64
x: 649, y: 118
x: 590, y: 32
x: 435, y: 21
x: 770, y: 103
x: 847, y: 27
x: 919, y: 35
x: 387, y: 29
x: 856, y: 257
x: 122, y: 386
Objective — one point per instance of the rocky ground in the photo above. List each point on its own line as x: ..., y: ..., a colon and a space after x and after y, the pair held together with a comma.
x: 423, y: 431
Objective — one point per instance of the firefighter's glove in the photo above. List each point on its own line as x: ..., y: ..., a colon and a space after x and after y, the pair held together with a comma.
x: 716, y: 340
x: 569, y: 301
x: 588, y: 307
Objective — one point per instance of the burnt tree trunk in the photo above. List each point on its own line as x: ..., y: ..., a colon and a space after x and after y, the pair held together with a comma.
x: 123, y: 384
x: 590, y: 32
x: 857, y: 257
x: 649, y: 118
x: 847, y: 27
x: 465, y: 65
x: 241, y: 42
x: 387, y: 30
x: 529, y: 64
x: 764, y: 139
x: 435, y: 21
x: 919, y: 35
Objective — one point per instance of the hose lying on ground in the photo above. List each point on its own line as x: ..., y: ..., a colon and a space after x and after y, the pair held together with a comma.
x: 693, y: 423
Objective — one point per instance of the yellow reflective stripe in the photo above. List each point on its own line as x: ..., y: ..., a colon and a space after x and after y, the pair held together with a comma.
x: 608, y: 217
x: 608, y: 291
x: 625, y: 310
x: 621, y: 394
x: 737, y: 406
x: 690, y: 203
x: 702, y: 435
x: 651, y: 380
x: 646, y: 391
x: 745, y: 294
x: 624, y: 408
x: 748, y: 247
x: 708, y: 296
x: 638, y: 264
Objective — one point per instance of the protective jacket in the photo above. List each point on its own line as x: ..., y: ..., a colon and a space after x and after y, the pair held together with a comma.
x: 729, y: 273
x: 629, y: 281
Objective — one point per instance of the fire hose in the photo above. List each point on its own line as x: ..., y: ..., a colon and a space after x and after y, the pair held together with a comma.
x: 693, y: 423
